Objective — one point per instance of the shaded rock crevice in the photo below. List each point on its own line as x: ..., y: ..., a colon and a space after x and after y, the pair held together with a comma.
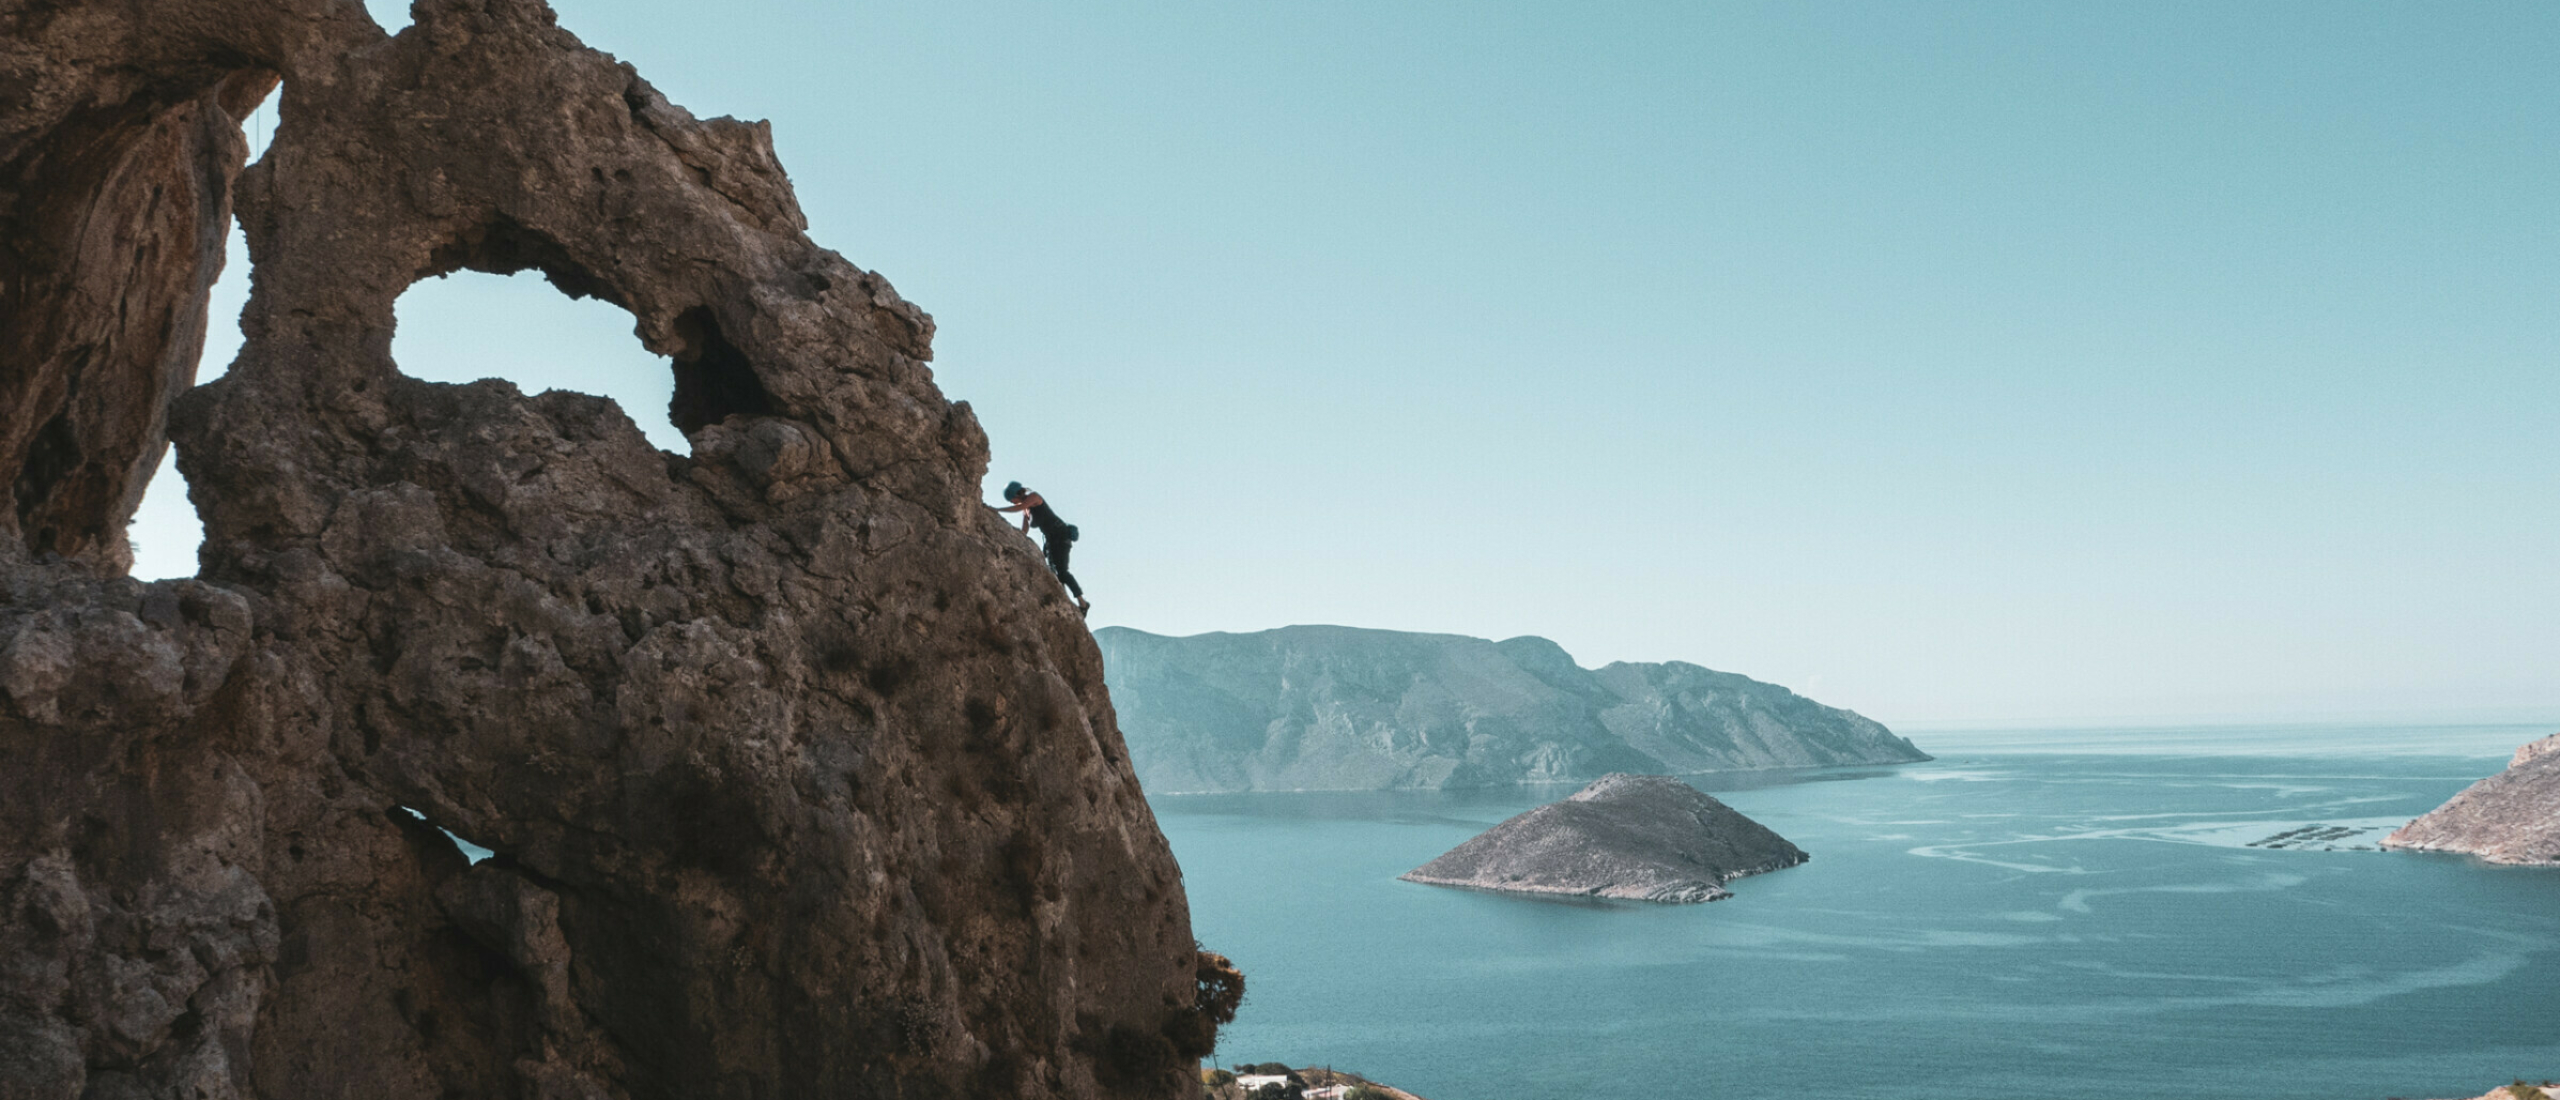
x: 801, y: 767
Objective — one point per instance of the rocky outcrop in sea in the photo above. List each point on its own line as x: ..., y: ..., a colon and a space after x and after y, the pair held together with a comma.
x: 797, y: 763
x: 1337, y: 708
x: 2511, y: 817
x: 1634, y: 837
x: 1264, y: 1081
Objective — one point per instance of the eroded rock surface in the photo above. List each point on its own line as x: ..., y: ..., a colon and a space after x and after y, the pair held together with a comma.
x: 1633, y: 837
x: 2510, y: 817
x: 118, y: 144
x: 799, y: 767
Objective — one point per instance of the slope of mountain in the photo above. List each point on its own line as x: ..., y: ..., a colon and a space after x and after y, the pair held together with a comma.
x: 2510, y: 817
x: 1340, y: 708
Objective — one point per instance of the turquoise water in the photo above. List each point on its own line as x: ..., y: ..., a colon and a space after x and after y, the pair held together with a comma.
x: 2007, y: 921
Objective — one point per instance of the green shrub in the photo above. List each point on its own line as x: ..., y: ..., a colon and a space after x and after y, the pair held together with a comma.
x: 1365, y: 1092
x: 1211, y: 1075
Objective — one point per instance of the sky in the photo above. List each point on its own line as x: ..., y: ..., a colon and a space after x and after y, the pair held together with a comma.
x: 1958, y: 362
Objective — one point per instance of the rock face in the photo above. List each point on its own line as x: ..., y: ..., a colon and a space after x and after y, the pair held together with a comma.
x: 799, y: 766
x: 117, y: 152
x: 1337, y: 708
x: 2510, y: 817
x: 1637, y: 837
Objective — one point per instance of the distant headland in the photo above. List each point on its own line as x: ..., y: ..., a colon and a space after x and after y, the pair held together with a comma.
x: 1312, y: 708
x: 2510, y: 817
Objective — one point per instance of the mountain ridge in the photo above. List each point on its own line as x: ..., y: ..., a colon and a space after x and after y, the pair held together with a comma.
x: 1323, y: 707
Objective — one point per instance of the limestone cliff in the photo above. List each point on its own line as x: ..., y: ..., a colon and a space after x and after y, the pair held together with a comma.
x: 2510, y: 817
x: 799, y: 767
x: 1635, y: 837
x: 1337, y: 708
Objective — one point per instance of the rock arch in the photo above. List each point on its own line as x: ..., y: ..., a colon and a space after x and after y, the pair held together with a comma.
x: 802, y: 773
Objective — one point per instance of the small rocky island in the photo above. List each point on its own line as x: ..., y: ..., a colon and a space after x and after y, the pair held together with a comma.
x: 2510, y: 817
x: 1635, y: 837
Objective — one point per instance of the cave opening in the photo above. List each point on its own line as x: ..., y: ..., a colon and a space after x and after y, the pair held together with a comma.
x: 53, y: 460
x: 713, y: 380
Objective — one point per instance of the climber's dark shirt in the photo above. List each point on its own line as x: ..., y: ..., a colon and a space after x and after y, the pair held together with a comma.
x: 1052, y: 528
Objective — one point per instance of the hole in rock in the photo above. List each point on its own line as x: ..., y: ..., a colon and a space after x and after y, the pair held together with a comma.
x: 713, y: 378
x: 470, y: 851
x: 392, y: 14
x: 258, y: 125
x: 165, y: 532
x: 472, y: 325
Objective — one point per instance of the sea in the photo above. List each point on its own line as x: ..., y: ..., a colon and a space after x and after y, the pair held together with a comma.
x: 2097, y: 914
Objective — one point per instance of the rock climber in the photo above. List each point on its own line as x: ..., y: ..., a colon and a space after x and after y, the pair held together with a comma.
x: 1057, y: 536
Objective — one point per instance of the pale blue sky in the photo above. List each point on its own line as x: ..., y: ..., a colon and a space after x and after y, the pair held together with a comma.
x: 1946, y: 361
